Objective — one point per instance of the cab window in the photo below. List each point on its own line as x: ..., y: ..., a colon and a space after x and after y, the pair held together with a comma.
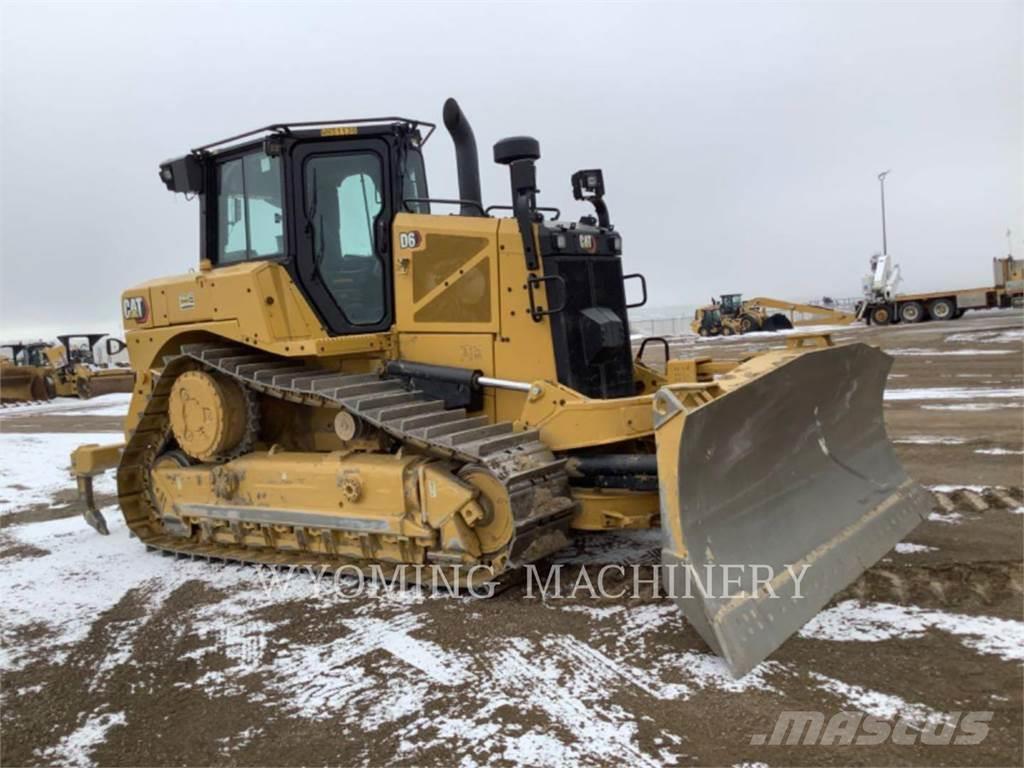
x: 249, y: 210
x: 414, y: 183
x: 343, y: 197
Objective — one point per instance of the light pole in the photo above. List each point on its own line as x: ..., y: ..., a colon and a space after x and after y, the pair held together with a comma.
x: 881, y: 184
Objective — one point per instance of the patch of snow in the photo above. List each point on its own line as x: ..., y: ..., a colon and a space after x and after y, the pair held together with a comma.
x: 239, y: 740
x: 707, y: 671
x: 971, y: 407
x: 929, y: 440
x: 534, y: 749
x: 82, y: 576
x: 989, y: 337
x: 999, y: 452
x: 642, y: 619
x: 919, y: 352
x: 881, y: 705
x: 106, y: 410
x: 777, y: 334
x: 944, y: 488
x: 952, y: 518
x: 76, y: 748
x: 63, y: 404
x: 35, y: 466
x: 320, y: 679
x: 854, y: 621
x: 952, y: 393
x: 599, y: 613
x: 907, y: 548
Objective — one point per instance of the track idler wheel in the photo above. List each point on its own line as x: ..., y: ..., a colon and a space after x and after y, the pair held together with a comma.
x: 208, y: 414
x: 495, y: 528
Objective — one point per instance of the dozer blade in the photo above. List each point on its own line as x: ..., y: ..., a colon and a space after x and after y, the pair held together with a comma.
x: 19, y: 386
x: 788, y: 479
x: 105, y: 383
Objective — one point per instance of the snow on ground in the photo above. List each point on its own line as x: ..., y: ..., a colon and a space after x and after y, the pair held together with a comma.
x: 953, y: 518
x: 36, y: 466
x: 66, y: 589
x: 74, y: 750
x: 947, y: 488
x: 882, y: 705
x: 391, y: 665
x: 111, y: 409
x: 953, y: 393
x: 999, y: 452
x: 783, y: 332
x: 907, y: 548
x: 928, y: 440
x: 113, y: 404
x: 918, y: 352
x: 988, y: 337
x: 972, y: 406
x: 377, y: 672
x: 853, y: 621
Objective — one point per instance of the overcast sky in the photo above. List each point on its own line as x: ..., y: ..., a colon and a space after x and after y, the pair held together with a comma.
x: 740, y: 143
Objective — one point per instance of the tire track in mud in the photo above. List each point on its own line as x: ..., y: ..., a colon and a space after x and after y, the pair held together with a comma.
x: 991, y: 585
x: 590, y: 729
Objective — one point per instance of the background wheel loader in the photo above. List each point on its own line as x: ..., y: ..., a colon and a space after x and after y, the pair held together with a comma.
x: 76, y: 372
x: 25, y: 373
x: 355, y: 377
x: 732, y: 315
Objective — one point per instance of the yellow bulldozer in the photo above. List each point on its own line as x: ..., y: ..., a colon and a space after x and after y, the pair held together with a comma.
x: 355, y: 377
x: 76, y: 372
x: 26, y: 374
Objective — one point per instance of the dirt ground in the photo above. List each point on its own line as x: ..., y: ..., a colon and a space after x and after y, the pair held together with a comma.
x: 116, y: 656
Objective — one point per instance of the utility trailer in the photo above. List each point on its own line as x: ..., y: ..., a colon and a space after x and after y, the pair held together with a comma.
x: 1007, y: 290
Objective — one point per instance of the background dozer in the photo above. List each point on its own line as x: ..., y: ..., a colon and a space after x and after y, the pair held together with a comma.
x: 353, y: 376
x: 25, y: 373
x: 78, y: 374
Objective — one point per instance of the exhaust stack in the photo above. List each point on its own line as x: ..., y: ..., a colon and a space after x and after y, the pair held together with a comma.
x: 465, y: 157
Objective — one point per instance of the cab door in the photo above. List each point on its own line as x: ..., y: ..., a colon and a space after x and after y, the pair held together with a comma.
x: 344, y: 206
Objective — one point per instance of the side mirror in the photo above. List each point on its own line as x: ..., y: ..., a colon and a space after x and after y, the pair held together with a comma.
x: 114, y: 346
x: 185, y: 174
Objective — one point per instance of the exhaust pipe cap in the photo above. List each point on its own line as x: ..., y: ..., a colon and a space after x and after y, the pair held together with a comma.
x: 515, y: 148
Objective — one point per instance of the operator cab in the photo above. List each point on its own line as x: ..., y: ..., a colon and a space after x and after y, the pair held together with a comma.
x: 730, y: 304
x: 29, y: 354
x: 320, y: 198
x: 317, y: 197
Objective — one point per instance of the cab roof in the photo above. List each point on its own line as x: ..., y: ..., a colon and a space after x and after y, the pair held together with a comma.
x: 325, y: 128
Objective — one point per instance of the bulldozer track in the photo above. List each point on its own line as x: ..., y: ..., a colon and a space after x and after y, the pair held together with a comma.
x: 535, y: 480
